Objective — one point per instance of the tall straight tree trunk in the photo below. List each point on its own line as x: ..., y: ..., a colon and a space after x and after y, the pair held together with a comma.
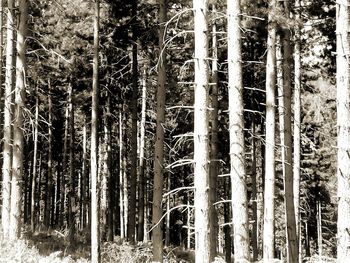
x: 95, y: 191
x: 34, y: 166
x: 269, y: 184
x: 297, y: 125
x: 84, y: 186
x: 71, y: 186
x: 343, y: 122
x: 18, y: 144
x: 201, y: 134
x: 254, y: 196
x: 141, y: 206
x: 7, y: 145
x: 133, y: 165
x: 291, y: 234
x: 237, y: 156
x: 227, y: 219
x: 214, y: 142
x: 49, y: 164
x: 122, y: 198
x: 157, y: 211
x: 319, y: 227
x: 64, y: 169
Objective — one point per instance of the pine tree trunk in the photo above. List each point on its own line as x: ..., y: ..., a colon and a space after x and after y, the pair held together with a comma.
x: 269, y: 182
x: 254, y: 195
x: 71, y: 186
x: 201, y: 136
x: 121, y: 177
x: 95, y: 191
x: 213, y: 142
x: 7, y: 145
x: 34, y: 166
x: 343, y: 121
x: 64, y: 169
x: 237, y: 155
x: 319, y: 228
x: 49, y: 165
x: 297, y: 125
x: 157, y: 211
x: 291, y: 234
x: 133, y: 165
x: 18, y: 144
x: 84, y: 185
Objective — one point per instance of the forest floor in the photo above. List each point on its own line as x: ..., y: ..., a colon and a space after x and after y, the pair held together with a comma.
x: 53, y: 247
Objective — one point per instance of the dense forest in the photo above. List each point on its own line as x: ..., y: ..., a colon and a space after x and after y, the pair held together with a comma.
x: 175, y: 131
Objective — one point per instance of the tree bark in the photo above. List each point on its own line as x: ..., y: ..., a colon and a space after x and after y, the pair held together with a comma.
x: 95, y: 191
x: 291, y: 234
x: 7, y: 145
x: 157, y: 233
x: 297, y: 125
x: 343, y: 122
x: 18, y: 144
x: 269, y: 183
x: 236, y: 129
x: 201, y: 134
x: 34, y: 166
x: 141, y: 205
x: 133, y: 165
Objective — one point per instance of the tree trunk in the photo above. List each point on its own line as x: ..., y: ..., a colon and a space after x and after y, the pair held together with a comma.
x: 34, y: 166
x: 122, y: 182
x: 7, y: 145
x: 201, y: 136
x: 141, y: 206
x: 64, y: 169
x: 84, y: 185
x: 297, y: 125
x: 71, y: 186
x: 213, y: 142
x: 269, y: 182
x: 254, y: 195
x: 291, y: 234
x: 319, y: 228
x: 237, y: 156
x: 343, y: 121
x: 95, y: 191
x: 133, y: 165
x: 18, y: 144
x: 157, y: 233
x: 49, y: 178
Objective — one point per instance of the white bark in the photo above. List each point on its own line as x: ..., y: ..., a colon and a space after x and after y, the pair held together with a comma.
x: 95, y: 191
x: 236, y: 128
x: 343, y: 122
x: 7, y: 148
x: 201, y: 137
x: 17, y: 164
x: 269, y: 193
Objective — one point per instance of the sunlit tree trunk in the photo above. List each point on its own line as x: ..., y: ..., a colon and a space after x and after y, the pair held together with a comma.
x: 269, y: 184
x: 34, y: 166
x: 122, y: 177
x: 18, y: 144
x: 254, y: 196
x: 95, y: 192
x: 157, y: 233
x: 343, y: 122
x: 7, y: 144
x: 133, y: 159
x: 201, y: 134
x: 71, y: 196
x: 236, y: 128
x: 84, y: 186
x: 297, y: 125
x: 141, y: 205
